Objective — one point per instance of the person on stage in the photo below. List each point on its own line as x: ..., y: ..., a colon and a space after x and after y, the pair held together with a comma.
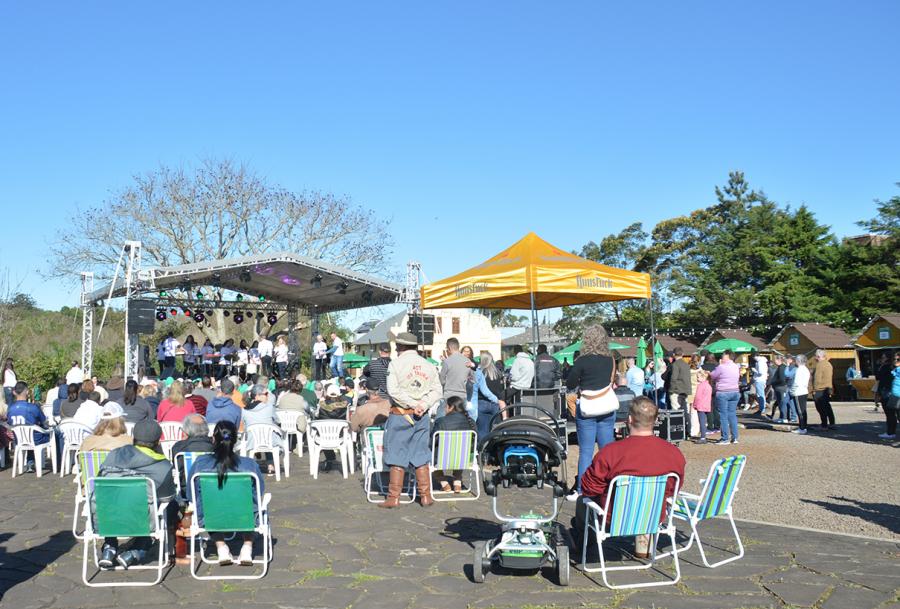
x: 413, y: 387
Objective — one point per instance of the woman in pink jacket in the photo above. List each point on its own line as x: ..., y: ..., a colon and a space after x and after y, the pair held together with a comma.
x: 702, y: 402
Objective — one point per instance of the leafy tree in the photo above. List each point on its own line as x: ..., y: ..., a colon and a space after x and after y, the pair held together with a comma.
x: 219, y: 209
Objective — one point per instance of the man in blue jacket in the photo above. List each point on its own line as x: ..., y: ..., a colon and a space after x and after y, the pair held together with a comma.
x: 222, y: 408
x: 23, y: 412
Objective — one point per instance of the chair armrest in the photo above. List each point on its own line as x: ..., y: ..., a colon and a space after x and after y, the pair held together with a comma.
x: 265, y: 502
x: 688, y: 496
x: 592, y: 505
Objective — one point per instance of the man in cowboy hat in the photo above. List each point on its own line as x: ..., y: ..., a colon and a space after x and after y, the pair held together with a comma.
x: 413, y: 386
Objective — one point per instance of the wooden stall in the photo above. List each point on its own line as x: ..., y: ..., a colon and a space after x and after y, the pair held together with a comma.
x: 805, y: 338
x: 881, y: 336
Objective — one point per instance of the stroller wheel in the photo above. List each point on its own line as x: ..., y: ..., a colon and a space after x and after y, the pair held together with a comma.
x: 478, y: 568
x: 562, y: 565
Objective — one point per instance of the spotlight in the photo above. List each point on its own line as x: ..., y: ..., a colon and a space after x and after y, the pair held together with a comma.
x: 260, y: 315
x: 209, y: 314
x: 261, y: 298
x: 272, y: 319
x: 226, y: 313
x: 342, y: 287
x: 239, y: 298
x: 317, y: 281
x: 161, y: 315
x: 163, y: 294
x: 187, y: 313
x: 199, y: 295
x: 173, y: 312
x: 185, y: 286
x: 245, y: 276
x: 199, y: 317
x: 238, y: 318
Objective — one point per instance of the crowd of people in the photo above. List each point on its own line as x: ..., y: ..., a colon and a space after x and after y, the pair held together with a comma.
x: 412, y: 400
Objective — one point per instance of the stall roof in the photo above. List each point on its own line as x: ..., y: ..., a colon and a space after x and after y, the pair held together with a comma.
x: 669, y: 343
x: 734, y: 333
x: 282, y: 278
x: 822, y: 336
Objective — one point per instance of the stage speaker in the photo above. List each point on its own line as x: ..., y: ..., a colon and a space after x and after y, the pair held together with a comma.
x: 422, y: 326
x: 141, y: 316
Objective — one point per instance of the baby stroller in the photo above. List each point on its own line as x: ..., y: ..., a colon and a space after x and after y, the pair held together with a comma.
x: 524, y: 452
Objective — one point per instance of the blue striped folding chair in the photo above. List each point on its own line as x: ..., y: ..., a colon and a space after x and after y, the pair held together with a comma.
x: 714, y: 500
x: 88, y: 464
x: 455, y: 451
x: 373, y: 469
x: 183, y: 462
x: 635, y: 505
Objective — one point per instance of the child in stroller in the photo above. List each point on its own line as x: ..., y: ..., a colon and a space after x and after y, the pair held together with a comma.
x: 524, y: 451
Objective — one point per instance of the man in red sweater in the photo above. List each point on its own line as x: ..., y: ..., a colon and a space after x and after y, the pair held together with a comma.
x: 640, y: 454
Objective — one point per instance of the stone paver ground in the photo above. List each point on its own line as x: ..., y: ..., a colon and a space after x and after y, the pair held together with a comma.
x: 332, y: 549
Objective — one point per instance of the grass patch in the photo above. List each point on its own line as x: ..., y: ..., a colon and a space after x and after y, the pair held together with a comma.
x: 229, y: 587
x: 361, y: 578
x: 316, y: 574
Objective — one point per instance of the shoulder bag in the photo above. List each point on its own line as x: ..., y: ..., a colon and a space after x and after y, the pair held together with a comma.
x: 599, y: 402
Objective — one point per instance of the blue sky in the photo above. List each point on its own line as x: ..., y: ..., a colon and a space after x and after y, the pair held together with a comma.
x: 467, y: 123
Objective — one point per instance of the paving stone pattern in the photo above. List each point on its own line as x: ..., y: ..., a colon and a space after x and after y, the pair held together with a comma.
x: 332, y: 549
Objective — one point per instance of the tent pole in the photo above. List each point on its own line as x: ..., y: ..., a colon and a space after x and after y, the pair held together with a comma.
x: 535, y: 336
x: 653, y: 350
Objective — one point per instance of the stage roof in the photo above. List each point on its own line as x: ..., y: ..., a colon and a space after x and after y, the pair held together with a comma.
x: 283, y: 278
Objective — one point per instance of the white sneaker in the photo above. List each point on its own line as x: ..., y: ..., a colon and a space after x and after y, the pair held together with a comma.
x: 887, y: 436
x: 573, y: 496
x: 225, y: 557
x: 802, y: 432
x: 246, y: 555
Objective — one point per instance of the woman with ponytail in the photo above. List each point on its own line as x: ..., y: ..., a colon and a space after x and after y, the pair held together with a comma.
x: 222, y: 461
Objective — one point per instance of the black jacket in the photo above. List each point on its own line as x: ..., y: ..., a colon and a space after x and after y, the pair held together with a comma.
x: 546, y: 371
x: 375, y: 373
x: 455, y: 421
x: 778, y: 378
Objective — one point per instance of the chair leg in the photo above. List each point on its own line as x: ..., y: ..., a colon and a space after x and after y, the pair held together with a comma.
x: 276, y: 459
x: 287, y: 461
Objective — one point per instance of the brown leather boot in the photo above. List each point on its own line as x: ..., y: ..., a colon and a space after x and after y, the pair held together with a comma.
x: 395, y: 487
x: 423, y: 485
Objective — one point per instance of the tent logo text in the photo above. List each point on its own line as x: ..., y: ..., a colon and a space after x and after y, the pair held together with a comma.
x: 474, y: 288
x: 593, y: 282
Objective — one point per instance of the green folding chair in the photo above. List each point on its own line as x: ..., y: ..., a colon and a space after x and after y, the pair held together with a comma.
x: 228, y: 509
x: 183, y: 462
x: 715, y: 499
x: 88, y: 467
x: 374, y: 469
x: 634, y: 506
x: 123, y: 507
x: 455, y: 450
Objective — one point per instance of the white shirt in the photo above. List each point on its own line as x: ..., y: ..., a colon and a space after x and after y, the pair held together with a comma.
x: 281, y: 353
x: 9, y: 378
x: 761, y: 369
x: 88, y: 414
x: 338, y: 346
x: 74, y: 375
x: 171, y: 347
x: 265, y: 348
x: 254, y: 356
x: 242, y: 357
x: 319, y: 349
x: 801, y: 381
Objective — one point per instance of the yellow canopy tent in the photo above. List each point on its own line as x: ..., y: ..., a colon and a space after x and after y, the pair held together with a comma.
x: 533, y: 274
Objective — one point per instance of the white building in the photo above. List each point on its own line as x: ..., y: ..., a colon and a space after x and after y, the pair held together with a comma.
x: 472, y: 329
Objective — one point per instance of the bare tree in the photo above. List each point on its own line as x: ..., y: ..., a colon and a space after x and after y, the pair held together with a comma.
x: 219, y: 209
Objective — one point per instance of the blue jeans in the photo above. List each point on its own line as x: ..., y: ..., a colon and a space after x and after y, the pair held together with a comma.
x: 726, y: 404
x: 701, y: 417
x: 486, y: 412
x: 790, y: 407
x: 760, y: 386
x: 8, y: 395
x: 590, y: 431
x: 337, y: 366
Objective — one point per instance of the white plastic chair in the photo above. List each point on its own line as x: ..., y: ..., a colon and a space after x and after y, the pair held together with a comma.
x: 24, y: 435
x: 288, y: 420
x: 330, y: 435
x: 171, y: 433
x: 456, y: 450
x: 129, y: 428
x: 266, y: 438
x: 48, y: 414
x: 373, y: 468
x: 72, y: 435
